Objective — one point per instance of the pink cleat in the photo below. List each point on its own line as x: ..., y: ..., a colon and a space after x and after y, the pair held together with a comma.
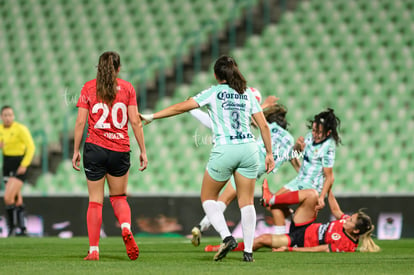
x: 266, y: 194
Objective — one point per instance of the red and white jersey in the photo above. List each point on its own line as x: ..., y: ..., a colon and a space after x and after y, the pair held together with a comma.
x: 108, y: 125
x: 331, y: 233
x: 256, y: 94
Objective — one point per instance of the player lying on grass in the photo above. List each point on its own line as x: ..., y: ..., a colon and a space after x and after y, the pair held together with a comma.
x: 341, y: 235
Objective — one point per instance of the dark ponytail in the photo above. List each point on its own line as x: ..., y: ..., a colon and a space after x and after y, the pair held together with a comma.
x: 109, y: 63
x: 329, y: 122
x: 226, y: 69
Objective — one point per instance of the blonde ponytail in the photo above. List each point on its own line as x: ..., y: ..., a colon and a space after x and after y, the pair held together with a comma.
x: 367, y: 243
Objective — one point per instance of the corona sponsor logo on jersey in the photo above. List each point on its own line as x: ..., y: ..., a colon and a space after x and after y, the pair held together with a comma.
x: 225, y: 95
x: 233, y: 105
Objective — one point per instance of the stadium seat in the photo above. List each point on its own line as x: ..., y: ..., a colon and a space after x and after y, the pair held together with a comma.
x: 351, y: 55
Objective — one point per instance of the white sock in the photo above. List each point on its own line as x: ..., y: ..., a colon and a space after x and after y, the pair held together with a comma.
x: 280, y: 229
x: 205, y: 223
x: 248, y: 220
x: 222, y: 206
x: 126, y: 225
x: 93, y: 248
x: 216, y: 217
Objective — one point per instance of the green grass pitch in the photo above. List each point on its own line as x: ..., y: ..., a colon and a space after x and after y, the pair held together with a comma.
x: 160, y: 255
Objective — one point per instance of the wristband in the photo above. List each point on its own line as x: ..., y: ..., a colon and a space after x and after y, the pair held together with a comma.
x: 290, y: 249
x: 148, y: 118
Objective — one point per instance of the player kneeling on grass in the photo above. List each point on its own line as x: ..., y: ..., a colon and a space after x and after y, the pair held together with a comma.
x: 341, y: 235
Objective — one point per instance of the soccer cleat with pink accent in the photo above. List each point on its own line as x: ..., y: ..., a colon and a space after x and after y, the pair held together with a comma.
x: 266, y: 194
x: 93, y: 256
x: 130, y: 244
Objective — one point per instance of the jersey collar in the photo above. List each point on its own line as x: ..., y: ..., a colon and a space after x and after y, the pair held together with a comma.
x: 355, y: 241
x: 314, y: 143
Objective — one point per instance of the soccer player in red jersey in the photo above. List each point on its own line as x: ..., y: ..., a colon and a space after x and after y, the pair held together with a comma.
x: 108, y: 103
x: 340, y: 235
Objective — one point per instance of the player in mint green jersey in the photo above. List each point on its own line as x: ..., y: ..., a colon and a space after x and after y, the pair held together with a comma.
x: 231, y: 107
x: 282, y: 145
x: 316, y: 170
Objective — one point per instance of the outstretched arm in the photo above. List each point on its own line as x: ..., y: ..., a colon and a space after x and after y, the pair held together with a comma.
x: 334, y: 205
x: 279, y: 243
x: 201, y: 116
x: 319, y: 248
x: 172, y: 110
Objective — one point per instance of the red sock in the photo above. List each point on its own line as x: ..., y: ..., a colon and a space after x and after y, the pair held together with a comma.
x: 94, y: 222
x: 121, y: 208
x: 240, y: 247
x: 287, y: 198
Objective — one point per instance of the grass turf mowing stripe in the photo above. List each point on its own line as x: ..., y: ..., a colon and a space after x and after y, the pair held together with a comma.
x: 51, y: 255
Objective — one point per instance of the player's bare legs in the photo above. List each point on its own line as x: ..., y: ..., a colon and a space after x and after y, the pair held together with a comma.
x: 228, y: 194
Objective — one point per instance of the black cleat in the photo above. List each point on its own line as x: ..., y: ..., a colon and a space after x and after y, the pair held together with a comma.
x: 229, y: 243
x: 248, y: 257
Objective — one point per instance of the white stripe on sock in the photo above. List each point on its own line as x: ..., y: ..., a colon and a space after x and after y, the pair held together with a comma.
x: 126, y: 225
x: 93, y: 248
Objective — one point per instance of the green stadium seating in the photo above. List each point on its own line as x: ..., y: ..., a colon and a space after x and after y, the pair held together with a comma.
x: 351, y: 55
x: 52, y: 47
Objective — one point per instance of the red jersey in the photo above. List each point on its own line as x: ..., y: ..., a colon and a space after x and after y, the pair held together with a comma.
x: 331, y: 233
x: 108, y: 125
